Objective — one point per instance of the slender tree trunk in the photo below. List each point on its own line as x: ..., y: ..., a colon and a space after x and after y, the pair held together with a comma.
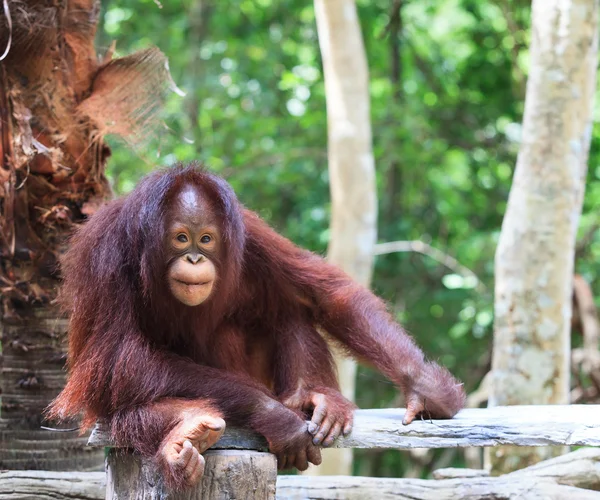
x: 56, y: 102
x: 394, y: 179
x: 200, y: 12
x: 535, y: 255
x: 351, y: 167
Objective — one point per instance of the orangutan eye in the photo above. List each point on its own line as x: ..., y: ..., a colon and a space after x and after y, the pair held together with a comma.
x: 182, y: 238
x: 205, y: 239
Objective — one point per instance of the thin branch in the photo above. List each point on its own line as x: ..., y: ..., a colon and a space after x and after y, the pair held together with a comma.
x: 437, y: 255
x: 481, y: 395
x: 393, y: 18
x: 587, y: 313
x: 586, y: 239
x: 514, y: 29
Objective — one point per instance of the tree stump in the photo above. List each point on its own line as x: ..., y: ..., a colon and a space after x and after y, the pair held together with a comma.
x: 229, y: 474
x: 237, y: 467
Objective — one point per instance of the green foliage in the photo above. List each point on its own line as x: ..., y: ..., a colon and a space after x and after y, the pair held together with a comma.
x: 446, y: 126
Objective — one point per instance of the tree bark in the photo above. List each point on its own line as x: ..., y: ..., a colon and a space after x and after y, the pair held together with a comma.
x: 57, y: 100
x: 535, y: 255
x: 351, y: 168
x: 50, y: 166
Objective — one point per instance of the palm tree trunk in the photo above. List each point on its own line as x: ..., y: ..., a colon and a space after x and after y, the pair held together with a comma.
x: 57, y: 100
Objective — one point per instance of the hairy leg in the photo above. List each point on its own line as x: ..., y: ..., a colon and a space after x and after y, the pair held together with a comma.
x: 236, y: 397
x: 174, y: 432
x: 179, y: 453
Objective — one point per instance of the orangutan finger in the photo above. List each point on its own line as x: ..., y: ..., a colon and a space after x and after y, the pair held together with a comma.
x: 214, y: 423
x: 333, y: 434
x: 319, y: 413
x: 197, y: 472
x: 185, y: 455
x: 413, y: 408
x: 348, y: 426
x: 323, y: 431
x: 314, y: 455
x: 192, y: 464
x: 291, y: 461
x: 301, y: 460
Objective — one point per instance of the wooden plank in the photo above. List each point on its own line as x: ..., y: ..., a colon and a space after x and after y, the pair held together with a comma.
x: 572, y: 476
x: 30, y: 485
x: 52, y: 485
x: 362, y: 488
x: 232, y: 439
x: 513, y: 425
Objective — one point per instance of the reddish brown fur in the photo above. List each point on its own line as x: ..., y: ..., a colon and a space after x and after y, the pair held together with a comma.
x: 253, y: 345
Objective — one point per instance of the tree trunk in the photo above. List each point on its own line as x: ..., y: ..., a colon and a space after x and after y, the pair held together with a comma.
x: 351, y: 167
x: 56, y: 102
x: 228, y: 474
x: 535, y: 255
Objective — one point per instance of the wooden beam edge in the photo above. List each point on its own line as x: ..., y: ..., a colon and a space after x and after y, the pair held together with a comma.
x: 508, y: 425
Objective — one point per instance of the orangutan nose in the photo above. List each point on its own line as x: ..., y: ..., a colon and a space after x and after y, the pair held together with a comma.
x: 194, y: 258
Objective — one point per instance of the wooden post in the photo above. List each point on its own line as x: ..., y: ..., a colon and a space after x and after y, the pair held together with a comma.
x: 237, y: 467
x: 239, y: 474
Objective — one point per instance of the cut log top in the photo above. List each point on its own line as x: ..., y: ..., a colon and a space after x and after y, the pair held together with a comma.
x: 513, y: 425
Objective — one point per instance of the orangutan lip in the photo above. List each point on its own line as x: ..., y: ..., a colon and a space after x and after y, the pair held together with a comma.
x: 192, y: 284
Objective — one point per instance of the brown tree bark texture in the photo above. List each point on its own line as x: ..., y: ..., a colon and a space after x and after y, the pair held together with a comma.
x: 57, y: 100
x: 51, y: 167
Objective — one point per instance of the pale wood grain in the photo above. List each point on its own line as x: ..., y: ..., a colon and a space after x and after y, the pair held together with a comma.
x: 563, y: 477
x: 514, y: 425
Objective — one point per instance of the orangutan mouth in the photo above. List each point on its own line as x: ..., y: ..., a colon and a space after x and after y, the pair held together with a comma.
x: 193, y: 284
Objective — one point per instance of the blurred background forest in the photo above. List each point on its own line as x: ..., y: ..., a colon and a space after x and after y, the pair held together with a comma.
x: 447, y: 85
